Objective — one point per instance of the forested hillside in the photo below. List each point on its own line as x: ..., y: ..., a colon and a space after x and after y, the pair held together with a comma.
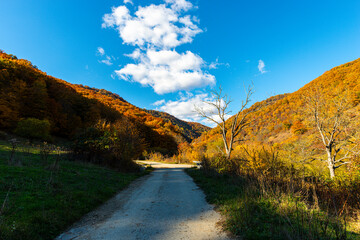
x: 191, y: 130
x: 296, y: 163
x: 286, y: 118
x: 27, y: 92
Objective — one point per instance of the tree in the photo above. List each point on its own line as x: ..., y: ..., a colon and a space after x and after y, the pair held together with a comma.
x: 232, y: 129
x: 35, y: 100
x: 33, y: 128
x: 331, y: 120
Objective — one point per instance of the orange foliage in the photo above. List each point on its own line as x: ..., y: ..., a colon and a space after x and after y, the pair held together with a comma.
x: 27, y: 92
x: 282, y: 119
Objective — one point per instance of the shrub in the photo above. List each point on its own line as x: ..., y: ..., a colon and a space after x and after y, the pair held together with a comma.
x: 156, y: 156
x: 114, y: 145
x: 298, y: 128
x: 287, y: 125
x: 33, y: 128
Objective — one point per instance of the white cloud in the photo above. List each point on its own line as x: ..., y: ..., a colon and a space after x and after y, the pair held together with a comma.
x: 184, y: 108
x: 179, y: 5
x: 128, y: 1
x: 107, y: 61
x: 155, y: 31
x: 167, y: 71
x: 216, y: 64
x: 101, y: 51
x: 158, y: 103
x: 155, y: 25
x: 261, y: 67
x: 135, y: 54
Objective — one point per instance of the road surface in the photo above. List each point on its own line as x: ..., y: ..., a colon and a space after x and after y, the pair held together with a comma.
x: 163, y: 205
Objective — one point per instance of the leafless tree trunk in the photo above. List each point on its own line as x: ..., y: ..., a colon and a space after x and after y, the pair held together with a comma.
x: 333, y: 125
x: 230, y: 130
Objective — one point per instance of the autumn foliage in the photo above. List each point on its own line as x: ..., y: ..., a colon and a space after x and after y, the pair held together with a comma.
x: 283, y: 120
x: 283, y: 149
x: 28, y: 93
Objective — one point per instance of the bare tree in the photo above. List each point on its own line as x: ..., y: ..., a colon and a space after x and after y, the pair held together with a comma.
x: 332, y: 122
x: 231, y: 129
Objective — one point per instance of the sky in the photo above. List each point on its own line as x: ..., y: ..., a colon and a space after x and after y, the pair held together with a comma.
x: 170, y: 54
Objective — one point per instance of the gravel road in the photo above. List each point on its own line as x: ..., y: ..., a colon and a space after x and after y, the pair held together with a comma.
x: 163, y: 205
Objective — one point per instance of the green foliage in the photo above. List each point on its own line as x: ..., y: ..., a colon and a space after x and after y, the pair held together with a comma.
x: 43, y: 202
x: 114, y: 145
x: 33, y: 128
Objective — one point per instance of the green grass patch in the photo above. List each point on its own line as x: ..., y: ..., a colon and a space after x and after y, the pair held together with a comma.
x: 39, y: 203
x: 253, y: 212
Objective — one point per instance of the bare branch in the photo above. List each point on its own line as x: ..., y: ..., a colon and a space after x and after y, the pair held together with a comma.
x: 335, y: 167
x: 330, y: 122
x: 236, y: 124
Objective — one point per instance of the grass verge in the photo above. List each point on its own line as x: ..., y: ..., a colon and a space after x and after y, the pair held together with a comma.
x: 37, y: 202
x: 252, y: 212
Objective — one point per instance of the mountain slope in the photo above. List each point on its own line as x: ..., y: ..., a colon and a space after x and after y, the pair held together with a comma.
x: 27, y: 92
x: 191, y: 130
x: 281, y: 118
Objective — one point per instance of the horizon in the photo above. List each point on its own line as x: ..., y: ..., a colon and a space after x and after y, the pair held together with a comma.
x: 90, y: 44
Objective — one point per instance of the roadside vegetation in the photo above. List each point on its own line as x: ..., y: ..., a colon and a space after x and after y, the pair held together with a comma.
x: 43, y: 191
x: 287, y: 167
x: 262, y: 209
x: 284, y: 168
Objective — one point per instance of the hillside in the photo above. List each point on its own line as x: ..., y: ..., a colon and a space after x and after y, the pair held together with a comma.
x: 283, y: 160
x: 27, y: 92
x: 282, y: 118
x: 191, y: 130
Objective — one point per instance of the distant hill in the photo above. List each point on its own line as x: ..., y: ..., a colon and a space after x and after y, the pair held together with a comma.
x: 190, y: 130
x: 27, y: 92
x: 281, y: 119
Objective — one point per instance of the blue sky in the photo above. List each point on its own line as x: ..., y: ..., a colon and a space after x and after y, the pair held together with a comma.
x: 219, y: 43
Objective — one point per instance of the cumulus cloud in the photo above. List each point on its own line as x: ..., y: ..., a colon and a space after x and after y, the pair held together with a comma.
x: 179, y: 5
x: 135, y: 54
x: 261, y: 67
x: 184, y: 108
x: 155, y: 31
x: 167, y: 71
x: 163, y: 26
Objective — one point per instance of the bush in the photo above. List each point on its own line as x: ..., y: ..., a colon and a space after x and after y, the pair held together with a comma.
x: 114, y: 145
x: 33, y: 128
x: 156, y: 156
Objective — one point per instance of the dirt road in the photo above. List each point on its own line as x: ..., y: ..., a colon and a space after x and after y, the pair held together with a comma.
x: 164, y: 205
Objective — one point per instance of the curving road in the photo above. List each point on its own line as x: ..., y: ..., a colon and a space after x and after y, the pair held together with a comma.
x: 163, y: 205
